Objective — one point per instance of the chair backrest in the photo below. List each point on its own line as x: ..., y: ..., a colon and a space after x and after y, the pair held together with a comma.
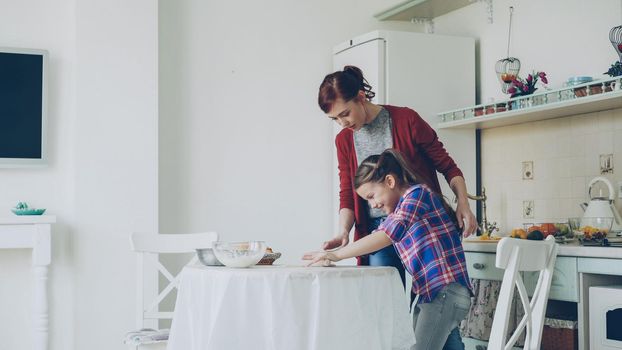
x: 515, y: 256
x: 149, y: 246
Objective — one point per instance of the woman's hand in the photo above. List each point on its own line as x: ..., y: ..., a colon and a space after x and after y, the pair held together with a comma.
x: 466, y: 219
x: 320, y: 258
x: 339, y: 241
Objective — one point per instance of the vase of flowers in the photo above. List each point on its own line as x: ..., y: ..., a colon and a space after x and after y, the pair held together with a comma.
x: 527, y: 86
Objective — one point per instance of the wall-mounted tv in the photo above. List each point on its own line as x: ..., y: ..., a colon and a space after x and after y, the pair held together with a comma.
x: 23, y: 116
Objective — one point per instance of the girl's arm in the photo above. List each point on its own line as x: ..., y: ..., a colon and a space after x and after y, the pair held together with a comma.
x: 368, y: 244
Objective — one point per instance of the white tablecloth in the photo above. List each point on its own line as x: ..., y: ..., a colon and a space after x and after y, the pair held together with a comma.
x: 291, y: 308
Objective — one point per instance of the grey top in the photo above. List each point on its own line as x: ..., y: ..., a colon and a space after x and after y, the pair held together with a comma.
x: 374, y: 138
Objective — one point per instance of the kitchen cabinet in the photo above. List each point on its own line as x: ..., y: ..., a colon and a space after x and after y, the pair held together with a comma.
x: 565, y: 282
x: 576, y: 270
x: 407, y: 10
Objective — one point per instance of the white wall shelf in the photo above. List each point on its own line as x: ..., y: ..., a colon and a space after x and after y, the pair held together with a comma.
x: 407, y: 10
x: 464, y: 118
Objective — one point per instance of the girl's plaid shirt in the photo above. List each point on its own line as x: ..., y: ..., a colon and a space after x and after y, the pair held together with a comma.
x: 427, y: 241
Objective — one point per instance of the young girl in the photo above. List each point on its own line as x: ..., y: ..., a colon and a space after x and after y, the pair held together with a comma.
x: 423, y: 230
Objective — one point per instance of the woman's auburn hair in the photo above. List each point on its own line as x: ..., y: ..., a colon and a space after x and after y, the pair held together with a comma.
x: 344, y: 84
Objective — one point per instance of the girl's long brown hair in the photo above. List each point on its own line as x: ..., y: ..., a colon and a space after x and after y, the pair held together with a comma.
x: 375, y: 168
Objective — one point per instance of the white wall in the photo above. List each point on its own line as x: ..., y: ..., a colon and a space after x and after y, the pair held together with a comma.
x: 245, y: 150
x: 116, y: 161
x: 102, y: 178
x: 564, y: 38
x: 51, y: 26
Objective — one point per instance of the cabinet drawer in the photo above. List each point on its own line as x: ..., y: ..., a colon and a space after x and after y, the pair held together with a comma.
x: 565, y: 282
x: 482, y: 266
x: 601, y: 266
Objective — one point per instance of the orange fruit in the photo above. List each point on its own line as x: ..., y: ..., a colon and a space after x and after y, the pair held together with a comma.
x: 518, y: 233
x: 548, y: 229
x: 534, y: 228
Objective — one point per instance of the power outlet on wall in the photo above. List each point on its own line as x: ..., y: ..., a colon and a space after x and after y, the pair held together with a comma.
x: 528, y: 209
x: 528, y: 170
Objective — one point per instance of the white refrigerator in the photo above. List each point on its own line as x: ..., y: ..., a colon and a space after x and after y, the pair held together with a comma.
x: 426, y: 72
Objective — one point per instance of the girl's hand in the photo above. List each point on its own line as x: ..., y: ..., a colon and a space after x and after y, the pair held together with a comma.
x: 466, y: 219
x: 337, y: 242
x: 324, y: 258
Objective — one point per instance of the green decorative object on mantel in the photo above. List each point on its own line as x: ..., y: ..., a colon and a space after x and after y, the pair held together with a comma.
x: 22, y: 209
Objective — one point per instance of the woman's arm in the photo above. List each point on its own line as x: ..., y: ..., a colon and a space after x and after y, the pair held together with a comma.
x: 368, y: 244
x: 433, y: 147
x: 464, y: 215
x: 346, y: 196
x: 346, y: 221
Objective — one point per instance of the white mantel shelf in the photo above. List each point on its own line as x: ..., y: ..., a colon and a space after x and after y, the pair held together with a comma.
x: 582, y: 105
x: 33, y: 232
x: 27, y: 219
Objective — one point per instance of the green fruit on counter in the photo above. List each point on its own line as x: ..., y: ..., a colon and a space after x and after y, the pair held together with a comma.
x: 563, y: 229
x: 535, y: 235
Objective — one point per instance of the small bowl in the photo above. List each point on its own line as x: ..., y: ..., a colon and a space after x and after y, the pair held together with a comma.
x: 591, y: 228
x: 27, y: 211
x: 239, y: 254
x: 207, y: 257
x: 578, y: 80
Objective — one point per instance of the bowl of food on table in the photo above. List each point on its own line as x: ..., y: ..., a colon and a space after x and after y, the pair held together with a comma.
x: 239, y: 254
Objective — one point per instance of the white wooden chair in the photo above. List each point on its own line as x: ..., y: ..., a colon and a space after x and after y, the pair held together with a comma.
x: 150, y: 246
x: 516, y: 255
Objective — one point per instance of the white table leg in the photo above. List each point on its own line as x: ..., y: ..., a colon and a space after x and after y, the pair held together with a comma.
x: 40, y: 308
x: 41, y: 257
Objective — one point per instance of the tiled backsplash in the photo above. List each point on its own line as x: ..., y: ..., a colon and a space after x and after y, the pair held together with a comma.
x: 566, y: 155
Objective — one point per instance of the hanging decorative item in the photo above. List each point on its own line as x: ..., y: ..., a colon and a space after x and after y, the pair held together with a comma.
x: 615, y: 36
x: 507, y: 69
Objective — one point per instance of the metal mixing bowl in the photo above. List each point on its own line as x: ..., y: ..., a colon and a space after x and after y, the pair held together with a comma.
x: 207, y: 257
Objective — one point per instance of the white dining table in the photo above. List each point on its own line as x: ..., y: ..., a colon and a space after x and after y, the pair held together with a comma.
x: 289, y: 307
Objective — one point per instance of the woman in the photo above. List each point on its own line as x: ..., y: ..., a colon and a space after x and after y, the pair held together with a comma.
x: 368, y: 129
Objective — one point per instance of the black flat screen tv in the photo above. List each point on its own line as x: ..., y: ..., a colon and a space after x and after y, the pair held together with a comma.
x: 23, y: 117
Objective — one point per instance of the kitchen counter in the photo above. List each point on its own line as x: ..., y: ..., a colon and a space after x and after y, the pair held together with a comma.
x: 569, y: 249
x: 577, y: 268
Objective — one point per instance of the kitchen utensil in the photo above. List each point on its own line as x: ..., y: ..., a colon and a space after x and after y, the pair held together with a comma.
x: 207, y: 257
x: 602, y: 206
x: 507, y: 69
x: 572, y: 81
x: 239, y: 254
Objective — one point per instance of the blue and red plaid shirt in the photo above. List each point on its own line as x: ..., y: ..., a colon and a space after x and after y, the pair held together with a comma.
x: 427, y: 241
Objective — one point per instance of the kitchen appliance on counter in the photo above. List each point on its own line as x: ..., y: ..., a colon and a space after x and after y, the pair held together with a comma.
x: 602, y: 206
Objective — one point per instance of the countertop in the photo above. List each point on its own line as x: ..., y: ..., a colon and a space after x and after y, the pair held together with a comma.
x: 568, y: 249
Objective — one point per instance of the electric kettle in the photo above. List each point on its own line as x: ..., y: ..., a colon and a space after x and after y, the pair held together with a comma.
x: 602, y: 206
